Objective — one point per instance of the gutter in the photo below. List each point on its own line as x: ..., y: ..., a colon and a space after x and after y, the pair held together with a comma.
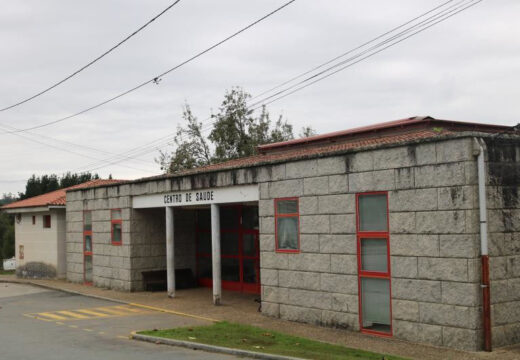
x: 484, y: 255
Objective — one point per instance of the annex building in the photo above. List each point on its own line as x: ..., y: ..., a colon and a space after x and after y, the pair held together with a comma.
x: 40, y: 232
x: 407, y: 229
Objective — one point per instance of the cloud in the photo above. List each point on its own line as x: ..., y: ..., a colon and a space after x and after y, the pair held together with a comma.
x: 463, y: 69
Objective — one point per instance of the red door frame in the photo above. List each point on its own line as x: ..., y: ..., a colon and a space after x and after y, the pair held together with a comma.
x: 85, y: 252
x: 373, y: 274
x: 235, y: 285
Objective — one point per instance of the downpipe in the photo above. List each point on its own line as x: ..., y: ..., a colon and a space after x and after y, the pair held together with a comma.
x: 484, y: 255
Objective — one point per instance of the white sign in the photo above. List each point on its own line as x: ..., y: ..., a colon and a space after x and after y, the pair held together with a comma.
x: 234, y: 194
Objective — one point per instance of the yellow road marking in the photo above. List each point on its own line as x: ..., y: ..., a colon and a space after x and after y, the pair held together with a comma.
x: 101, y: 333
x: 72, y: 314
x: 172, y: 312
x: 128, y: 308
x: 110, y: 310
x: 91, y: 312
x: 59, y: 323
x: 73, y: 326
x: 88, y: 329
x: 51, y: 316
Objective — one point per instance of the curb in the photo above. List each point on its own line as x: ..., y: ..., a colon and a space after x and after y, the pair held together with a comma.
x: 210, y: 348
x: 50, y: 287
x: 144, y: 306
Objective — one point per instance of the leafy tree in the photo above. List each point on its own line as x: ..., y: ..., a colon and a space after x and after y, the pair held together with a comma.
x: 6, y: 230
x: 236, y: 132
x: 37, y: 185
x: 307, y: 131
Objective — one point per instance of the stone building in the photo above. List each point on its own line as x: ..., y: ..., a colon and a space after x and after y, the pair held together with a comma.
x: 407, y: 229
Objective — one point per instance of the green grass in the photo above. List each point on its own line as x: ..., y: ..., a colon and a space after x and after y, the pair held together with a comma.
x: 7, y: 272
x: 256, y: 339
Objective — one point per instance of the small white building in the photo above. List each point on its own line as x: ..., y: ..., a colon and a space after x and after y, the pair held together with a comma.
x: 40, y: 229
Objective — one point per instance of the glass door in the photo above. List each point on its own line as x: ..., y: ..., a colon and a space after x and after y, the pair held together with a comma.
x: 239, y: 248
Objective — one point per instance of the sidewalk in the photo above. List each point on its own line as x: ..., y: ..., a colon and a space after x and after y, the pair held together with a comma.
x: 242, y: 308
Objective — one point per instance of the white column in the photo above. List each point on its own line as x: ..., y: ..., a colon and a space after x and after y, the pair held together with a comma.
x: 170, y: 255
x: 215, y: 249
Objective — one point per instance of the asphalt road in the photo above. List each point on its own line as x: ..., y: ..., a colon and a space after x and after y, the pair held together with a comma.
x: 44, y: 324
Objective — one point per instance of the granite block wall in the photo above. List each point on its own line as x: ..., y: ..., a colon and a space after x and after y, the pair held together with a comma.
x: 434, y: 242
x: 504, y: 238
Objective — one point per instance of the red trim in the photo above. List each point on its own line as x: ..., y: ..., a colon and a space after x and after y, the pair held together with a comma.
x: 46, y: 221
x: 234, y: 285
x: 85, y: 252
x: 486, y: 303
x: 385, y: 126
x: 276, y: 216
x: 112, y: 223
x: 372, y: 274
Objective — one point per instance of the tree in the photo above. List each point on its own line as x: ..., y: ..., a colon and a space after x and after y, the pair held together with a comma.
x: 6, y: 229
x: 236, y: 133
x: 307, y: 131
x: 37, y: 185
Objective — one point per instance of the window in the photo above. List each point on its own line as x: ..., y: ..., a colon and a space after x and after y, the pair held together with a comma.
x: 87, y: 247
x: 46, y: 221
x: 374, y: 263
x: 116, y: 224
x: 287, y: 225
x: 34, y: 220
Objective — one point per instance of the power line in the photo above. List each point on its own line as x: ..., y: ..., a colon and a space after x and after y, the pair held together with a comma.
x: 93, y: 61
x: 349, y: 51
x: 442, y: 15
x: 263, y: 102
x: 155, y: 78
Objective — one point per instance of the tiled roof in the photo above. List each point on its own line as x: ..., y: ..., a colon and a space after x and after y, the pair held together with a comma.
x: 393, y: 132
x: 57, y: 197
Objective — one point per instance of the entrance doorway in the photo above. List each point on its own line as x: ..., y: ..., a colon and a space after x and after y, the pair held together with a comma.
x: 239, y: 248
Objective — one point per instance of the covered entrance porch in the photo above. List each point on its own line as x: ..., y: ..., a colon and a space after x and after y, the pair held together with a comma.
x: 211, y: 233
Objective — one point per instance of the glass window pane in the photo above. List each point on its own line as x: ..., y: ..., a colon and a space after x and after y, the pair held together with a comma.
x: 287, y: 233
x: 204, y: 219
x: 372, y: 212
x: 374, y: 255
x: 229, y: 243
x: 204, y: 269
x: 116, y: 214
x: 287, y: 206
x: 230, y: 269
x: 204, y: 242
x: 88, y: 268
x: 116, y: 233
x: 250, y: 271
x: 87, y: 221
x: 249, y: 245
x: 229, y: 217
x: 375, y: 297
x: 88, y: 243
x: 250, y: 217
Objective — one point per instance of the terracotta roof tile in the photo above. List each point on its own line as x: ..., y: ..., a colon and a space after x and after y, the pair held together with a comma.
x: 57, y: 197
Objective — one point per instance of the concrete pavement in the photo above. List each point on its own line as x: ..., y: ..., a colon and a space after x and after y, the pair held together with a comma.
x: 44, y: 324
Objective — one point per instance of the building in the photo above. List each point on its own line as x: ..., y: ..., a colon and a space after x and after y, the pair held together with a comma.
x: 407, y: 229
x: 40, y: 232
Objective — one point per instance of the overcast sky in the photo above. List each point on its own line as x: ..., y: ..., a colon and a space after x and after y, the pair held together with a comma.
x: 467, y: 68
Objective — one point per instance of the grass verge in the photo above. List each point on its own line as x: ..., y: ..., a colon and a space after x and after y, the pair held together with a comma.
x: 7, y: 272
x: 256, y: 339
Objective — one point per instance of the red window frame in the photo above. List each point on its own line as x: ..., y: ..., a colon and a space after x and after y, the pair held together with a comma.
x: 116, y: 221
x: 277, y: 215
x: 85, y: 252
x: 34, y: 220
x: 47, y: 221
x: 373, y: 274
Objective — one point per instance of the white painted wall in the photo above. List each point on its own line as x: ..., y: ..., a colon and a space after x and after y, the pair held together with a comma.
x: 41, y: 244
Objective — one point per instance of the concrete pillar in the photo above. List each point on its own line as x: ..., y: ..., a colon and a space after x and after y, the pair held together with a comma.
x: 170, y: 255
x: 215, y: 250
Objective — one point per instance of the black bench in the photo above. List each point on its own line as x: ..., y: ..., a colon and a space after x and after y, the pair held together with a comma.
x: 156, y: 280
